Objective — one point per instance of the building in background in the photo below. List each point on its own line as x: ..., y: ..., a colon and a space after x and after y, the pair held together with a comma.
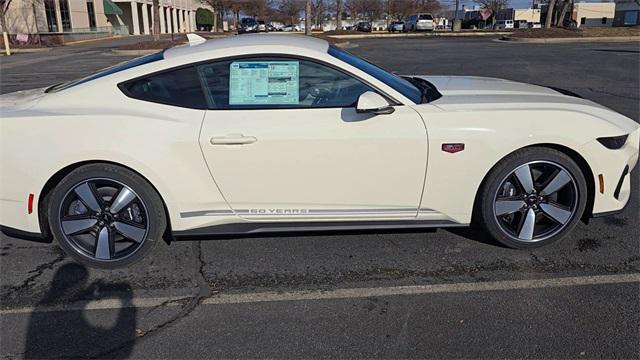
x: 627, y: 13
x: 529, y: 15
x: 592, y: 14
x: 175, y: 16
x: 81, y: 19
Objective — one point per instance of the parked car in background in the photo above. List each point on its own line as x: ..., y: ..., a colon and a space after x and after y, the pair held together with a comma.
x: 503, y: 24
x: 419, y: 22
x: 534, y: 25
x: 395, y: 26
x: 363, y: 26
x: 262, y: 26
x: 248, y: 25
x: 289, y: 27
x: 271, y: 28
x: 520, y: 24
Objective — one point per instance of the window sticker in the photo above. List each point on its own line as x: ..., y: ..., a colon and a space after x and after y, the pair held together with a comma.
x: 264, y: 83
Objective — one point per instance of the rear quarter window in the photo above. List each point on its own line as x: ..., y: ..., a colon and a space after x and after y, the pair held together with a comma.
x: 179, y: 87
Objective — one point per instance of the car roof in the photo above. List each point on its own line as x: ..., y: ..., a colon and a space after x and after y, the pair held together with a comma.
x: 249, y: 40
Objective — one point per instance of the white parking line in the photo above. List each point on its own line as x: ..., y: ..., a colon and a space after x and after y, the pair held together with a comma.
x: 350, y: 293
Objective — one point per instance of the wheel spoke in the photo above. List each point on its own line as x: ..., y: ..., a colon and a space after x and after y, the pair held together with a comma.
x: 103, y: 244
x: 505, y: 207
x: 71, y: 227
x: 560, y: 179
x: 556, y: 213
x: 87, y: 196
x: 527, y: 227
x: 125, y: 196
x: 523, y: 174
x: 130, y: 232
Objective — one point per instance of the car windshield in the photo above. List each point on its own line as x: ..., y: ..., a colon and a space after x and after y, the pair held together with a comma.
x: 397, y: 83
x: 108, y: 71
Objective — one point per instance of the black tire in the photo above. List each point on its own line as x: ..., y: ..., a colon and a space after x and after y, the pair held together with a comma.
x: 502, y: 176
x: 147, y: 207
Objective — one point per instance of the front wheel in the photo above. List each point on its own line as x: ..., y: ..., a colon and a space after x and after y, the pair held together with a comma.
x: 106, y: 216
x: 533, y: 197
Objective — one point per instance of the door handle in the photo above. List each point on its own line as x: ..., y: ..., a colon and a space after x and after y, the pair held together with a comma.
x: 234, y: 139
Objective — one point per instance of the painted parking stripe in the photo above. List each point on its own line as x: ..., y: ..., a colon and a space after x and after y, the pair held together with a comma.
x: 349, y: 293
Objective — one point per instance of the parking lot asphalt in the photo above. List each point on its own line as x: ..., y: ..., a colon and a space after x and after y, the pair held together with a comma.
x: 450, y: 293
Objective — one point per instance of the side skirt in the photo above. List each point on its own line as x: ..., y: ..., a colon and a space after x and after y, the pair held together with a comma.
x: 251, y: 228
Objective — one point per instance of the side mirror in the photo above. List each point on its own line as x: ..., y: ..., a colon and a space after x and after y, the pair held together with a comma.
x: 373, y: 103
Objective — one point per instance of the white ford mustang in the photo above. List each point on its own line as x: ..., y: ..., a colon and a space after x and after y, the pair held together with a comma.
x: 267, y: 133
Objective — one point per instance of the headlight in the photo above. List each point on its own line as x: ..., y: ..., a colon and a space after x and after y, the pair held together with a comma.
x: 614, y: 142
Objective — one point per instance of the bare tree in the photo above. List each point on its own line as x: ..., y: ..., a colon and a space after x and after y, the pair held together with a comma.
x: 255, y: 8
x: 338, y: 14
x: 4, y: 7
x: 318, y: 13
x: 495, y: 5
x: 550, y: 9
x: 433, y: 6
x: 563, y: 13
x: 291, y: 9
x: 307, y: 18
x: 400, y: 9
x: 368, y: 9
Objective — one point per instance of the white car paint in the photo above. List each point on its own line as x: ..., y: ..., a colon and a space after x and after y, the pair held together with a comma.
x: 305, y: 164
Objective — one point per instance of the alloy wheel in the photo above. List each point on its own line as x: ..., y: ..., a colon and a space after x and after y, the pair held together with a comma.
x: 104, y: 219
x: 536, y: 201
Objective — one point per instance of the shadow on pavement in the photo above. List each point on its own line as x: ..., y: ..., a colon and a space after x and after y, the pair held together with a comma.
x: 70, y: 334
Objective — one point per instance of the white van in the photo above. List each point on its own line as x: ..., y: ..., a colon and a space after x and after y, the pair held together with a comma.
x: 503, y: 24
x: 419, y: 22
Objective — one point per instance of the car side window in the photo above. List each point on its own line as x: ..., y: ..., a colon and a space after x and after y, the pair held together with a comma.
x: 277, y: 83
x: 180, y: 87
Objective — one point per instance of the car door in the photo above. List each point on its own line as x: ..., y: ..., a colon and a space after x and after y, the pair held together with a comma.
x: 283, y: 139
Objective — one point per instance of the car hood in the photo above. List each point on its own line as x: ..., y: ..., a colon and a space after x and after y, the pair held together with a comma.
x: 471, y: 93
x: 20, y: 99
x: 474, y: 85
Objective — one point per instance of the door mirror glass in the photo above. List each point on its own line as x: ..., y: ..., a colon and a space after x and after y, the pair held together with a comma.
x: 374, y: 103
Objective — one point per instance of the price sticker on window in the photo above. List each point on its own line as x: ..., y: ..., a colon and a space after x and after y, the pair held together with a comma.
x: 264, y: 83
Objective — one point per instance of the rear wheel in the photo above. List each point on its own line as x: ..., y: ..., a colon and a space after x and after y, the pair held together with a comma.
x: 106, y: 216
x: 532, y: 197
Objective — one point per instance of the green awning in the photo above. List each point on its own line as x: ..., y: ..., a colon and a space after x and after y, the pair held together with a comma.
x: 110, y: 8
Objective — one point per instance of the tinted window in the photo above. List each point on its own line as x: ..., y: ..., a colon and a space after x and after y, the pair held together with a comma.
x: 426, y: 17
x: 177, y: 87
x: 397, y: 83
x: 275, y: 83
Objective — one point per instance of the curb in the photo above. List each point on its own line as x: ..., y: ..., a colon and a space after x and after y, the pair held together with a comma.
x: 345, y: 45
x: 568, y: 40
x: 414, y: 35
x: 25, y: 51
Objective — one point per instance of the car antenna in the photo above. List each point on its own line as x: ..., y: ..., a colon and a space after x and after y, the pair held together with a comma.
x: 195, y: 39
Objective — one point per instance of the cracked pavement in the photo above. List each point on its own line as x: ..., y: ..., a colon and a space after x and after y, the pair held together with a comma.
x: 601, y: 320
